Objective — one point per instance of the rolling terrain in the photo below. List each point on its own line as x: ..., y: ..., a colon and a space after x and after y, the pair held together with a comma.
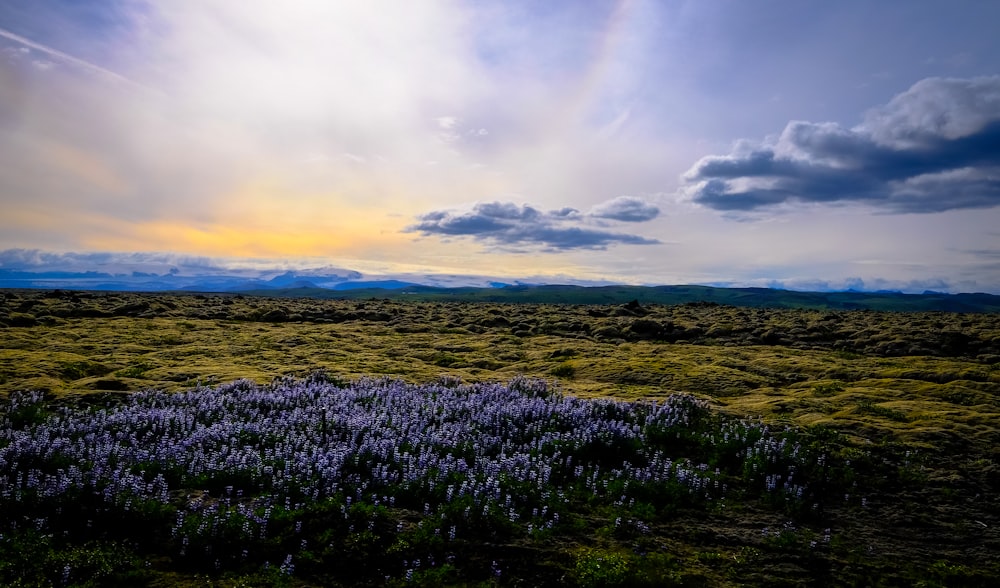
x: 912, y: 399
x: 669, y: 295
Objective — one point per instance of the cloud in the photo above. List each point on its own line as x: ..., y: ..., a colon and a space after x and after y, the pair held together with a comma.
x: 626, y: 209
x: 507, y: 224
x: 933, y: 148
x: 64, y: 57
x: 985, y: 253
x: 264, y: 115
x: 112, y: 262
x: 144, y: 263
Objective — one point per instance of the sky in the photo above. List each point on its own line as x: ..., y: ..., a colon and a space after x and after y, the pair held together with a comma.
x: 779, y: 143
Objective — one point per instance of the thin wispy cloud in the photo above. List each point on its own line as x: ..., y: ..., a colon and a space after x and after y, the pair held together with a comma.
x: 74, y: 61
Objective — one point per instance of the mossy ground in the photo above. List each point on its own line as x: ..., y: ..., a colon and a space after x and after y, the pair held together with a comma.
x: 924, y: 383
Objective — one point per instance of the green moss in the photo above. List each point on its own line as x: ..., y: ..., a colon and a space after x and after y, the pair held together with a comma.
x: 927, y: 383
x: 869, y: 407
x: 563, y: 370
x: 799, y: 384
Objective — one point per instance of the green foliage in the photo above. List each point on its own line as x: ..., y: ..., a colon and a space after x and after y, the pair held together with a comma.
x: 563, y: 370
x: 869, y: 407
x: 827, y: 388
x: 788, y: 538
x: 21, y: 319
x: 445, y: 359
x: 74, y: 370
x: 136, y: 370
x: 443, y: 575
x: 29, y: 558
x: 605, y: 568
x: 601, y: 569
x: 942, y: 574
x: 23, y: 409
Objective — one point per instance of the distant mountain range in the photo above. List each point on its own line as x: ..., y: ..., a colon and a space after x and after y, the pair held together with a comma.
x: 219, y: 279
x: 348, y: 284
x: 203, y: 281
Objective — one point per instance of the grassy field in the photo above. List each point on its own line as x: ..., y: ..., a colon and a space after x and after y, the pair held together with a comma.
x: 910, y: 401
x: 666, y: 295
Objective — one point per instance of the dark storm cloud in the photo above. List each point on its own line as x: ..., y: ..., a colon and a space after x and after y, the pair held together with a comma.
x: 936, y: 147
x: 507, y: 224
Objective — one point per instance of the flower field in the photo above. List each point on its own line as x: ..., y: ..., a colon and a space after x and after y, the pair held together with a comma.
x: 787, y: 464
x: 376, y: 480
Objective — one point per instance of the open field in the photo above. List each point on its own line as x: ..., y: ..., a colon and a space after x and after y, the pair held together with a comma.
x: 665, y: 295
x: 903, y: 407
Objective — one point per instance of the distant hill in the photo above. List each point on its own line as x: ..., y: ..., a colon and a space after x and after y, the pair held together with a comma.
x: 752, y: 297
x: 213, y: 281
x: 374, y: 285
x: 340, y: 283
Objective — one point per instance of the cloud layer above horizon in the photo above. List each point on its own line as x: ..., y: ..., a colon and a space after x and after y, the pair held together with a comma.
x: 933, y: 148
x: 507, y: 224
x: 629, y: 141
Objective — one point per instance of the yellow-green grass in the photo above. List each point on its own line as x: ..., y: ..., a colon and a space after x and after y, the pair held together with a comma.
x: 913, y: 399
x: 928, y: 381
